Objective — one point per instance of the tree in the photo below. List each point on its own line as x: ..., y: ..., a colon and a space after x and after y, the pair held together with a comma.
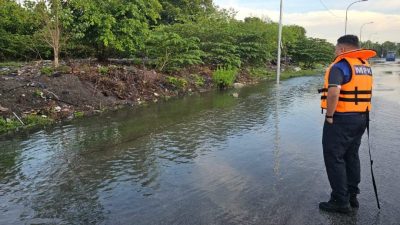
x: 178, y: 11
x: 110, y: 26
x: 388, y: 46
x: 51, y: 13
x: 309, y: 51
x: 173, y: 52
x: 17, y: 24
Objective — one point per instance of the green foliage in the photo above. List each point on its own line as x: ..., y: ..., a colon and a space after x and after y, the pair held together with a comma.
x: 224, y: 77
x: 46, y: 70
x: 103, y: 70
x: 38, y: 93
x: 309, y: 72
x: 17, y: 24
x: 382, y: 49
x: 309, y: 51
x: 64, y: 69
x: 166, y: 34
x: 36, y: 120
x: 180, y: 11
x: 9, y: 125
x: 198, y: 80
x: 260, y: 72
x: 172, y: 52
x: 221, y: 54
x: 111, y: 26
x: 78, y: 114
x: 30, y: 121
x: 10, y: 64
x: 177, y: 82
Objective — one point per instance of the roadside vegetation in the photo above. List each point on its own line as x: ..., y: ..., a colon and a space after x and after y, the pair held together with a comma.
x: 144, y: 50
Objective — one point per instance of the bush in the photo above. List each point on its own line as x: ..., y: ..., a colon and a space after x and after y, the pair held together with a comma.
x: 9, y: 125
x: 198, y: 80
x: 37, y: 120
x: 177, y: 82
x: 30, y: 121
x: 224, y: 77
x: 64, y: 69
x: 221, y: 54
x: 171, y: 52
x: 46, y: 70
x: 103, y: 70
x: 79, y: 114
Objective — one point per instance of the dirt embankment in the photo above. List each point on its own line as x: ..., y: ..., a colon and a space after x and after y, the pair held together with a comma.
x: 86, y: 87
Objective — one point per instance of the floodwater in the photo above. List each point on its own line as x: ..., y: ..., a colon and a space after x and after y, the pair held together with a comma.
x: 209, y: 159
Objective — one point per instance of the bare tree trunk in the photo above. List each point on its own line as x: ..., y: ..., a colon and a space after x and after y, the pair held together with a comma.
x: 52, y: 30
x: 56, y: 54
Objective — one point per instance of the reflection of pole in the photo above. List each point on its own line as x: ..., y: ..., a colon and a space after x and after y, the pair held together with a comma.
x: 277, y: 149
x: 278, y: 71
x: 345, y: 26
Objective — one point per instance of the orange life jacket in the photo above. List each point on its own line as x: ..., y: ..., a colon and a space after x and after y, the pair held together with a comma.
x: 355, y: 95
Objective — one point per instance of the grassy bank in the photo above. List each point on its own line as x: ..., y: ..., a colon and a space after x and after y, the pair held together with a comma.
x: 29, y: 122
x: 269, y: 74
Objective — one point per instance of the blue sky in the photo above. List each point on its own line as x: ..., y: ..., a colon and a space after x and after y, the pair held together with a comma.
x: 328, y: 24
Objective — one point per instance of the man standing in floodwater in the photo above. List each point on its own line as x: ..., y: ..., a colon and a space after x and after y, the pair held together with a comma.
x: 346, y: 97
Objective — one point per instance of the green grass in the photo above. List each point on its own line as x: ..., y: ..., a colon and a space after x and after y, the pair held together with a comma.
x: 198, y: 80
x: 267, y: 74
x: 30, y: 121
x: 46, y: 70
x: 224, y: 77
x: 177, y: 82
x: 11, y: 64
x: 79, y: 114
x: 103, y: 70
x: 9, y: 125
x: 290, y: 73
x: 261, y: 73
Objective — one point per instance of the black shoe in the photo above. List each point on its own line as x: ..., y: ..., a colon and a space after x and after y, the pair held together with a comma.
x: 353, y: 201
x: 334, y: 206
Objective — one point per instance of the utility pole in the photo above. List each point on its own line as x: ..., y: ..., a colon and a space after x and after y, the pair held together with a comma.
x: 361, y: 28
x: 278, y: 72
x: 345, y: 26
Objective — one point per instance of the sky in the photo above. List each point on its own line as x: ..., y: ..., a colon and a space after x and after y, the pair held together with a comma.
x: 326, y: 18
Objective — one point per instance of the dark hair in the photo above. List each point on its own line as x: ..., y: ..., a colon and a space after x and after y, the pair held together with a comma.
x: 349, y: 40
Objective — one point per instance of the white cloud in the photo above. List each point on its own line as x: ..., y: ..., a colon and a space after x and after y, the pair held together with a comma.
x: 323, y: 24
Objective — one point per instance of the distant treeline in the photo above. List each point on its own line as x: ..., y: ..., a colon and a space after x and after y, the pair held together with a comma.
x: 164, y: 34
x: 382, y: 49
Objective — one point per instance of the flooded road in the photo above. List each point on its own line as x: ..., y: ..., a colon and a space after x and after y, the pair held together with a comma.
x: 210, y: 159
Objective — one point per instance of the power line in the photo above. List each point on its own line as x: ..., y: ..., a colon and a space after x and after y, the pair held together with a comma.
x: 323, y: 4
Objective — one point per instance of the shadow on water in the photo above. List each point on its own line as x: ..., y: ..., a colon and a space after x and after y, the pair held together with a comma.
x: 203, y: 159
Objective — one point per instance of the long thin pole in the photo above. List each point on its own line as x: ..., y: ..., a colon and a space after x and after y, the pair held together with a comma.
x: 361, y: 28
x: 278, y: 72
x: 345, y: 26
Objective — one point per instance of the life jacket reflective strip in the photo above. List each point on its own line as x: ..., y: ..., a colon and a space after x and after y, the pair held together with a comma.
x: 355, y: 95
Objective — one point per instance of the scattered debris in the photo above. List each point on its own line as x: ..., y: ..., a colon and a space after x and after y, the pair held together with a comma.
x: 238, y: 85
x: 2, y: 109
x: 18, y: 119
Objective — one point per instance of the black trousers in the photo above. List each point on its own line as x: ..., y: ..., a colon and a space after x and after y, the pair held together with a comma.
x: 341, y: 141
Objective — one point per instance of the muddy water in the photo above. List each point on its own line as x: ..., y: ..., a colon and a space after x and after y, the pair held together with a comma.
x: 209, y: 159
